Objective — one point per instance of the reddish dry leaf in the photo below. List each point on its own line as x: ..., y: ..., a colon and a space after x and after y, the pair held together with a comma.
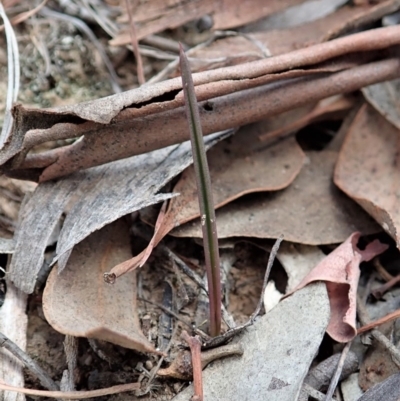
x: 340, y: 270
x: 310, y: 211
x: 77, y: 302
x: 368, y: 168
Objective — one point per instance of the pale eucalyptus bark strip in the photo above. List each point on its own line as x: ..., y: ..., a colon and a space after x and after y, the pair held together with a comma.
x: 158, y: 98
x: 244, y: 107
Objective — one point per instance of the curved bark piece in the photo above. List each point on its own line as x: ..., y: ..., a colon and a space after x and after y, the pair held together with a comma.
x: 142, y: 114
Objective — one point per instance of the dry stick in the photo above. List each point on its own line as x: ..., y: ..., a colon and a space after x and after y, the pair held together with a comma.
x: 379, y: 291
x: 365, y: 41
x: 320, y: 375
x: 373, y: 39
x: 381, y: 270
x: 338, y: 372
x: 271, y: 260
x: 161, y: 360
x: 179, y: 368
x: 109, y: 26
x: 385, y: 319
x: 72, y: 395
x: 27, y: 14
x: 312, y: 392
x: 71, y: 354
x: 30, y: 364
x: 183, y: 267
x: 235, y: 109
x: 135, y: 45
x: 380, y: 337
x: 195, y: 349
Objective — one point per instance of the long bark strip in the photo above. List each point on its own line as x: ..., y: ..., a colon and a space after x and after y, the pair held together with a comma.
x: 164, y: 129
x: 152, y: 116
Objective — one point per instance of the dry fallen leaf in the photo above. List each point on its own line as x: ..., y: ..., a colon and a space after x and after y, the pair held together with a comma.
x: 310, y: 211
x: 238, y: 167
x: 92, y: 199
x: 367, y: 168
x: 159, y: 15
x: 77, y: 302
x: 340, y: 270
x: 235, y: 167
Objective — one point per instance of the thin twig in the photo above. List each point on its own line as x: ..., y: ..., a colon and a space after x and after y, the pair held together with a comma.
x: 379, y: 291
x: 107, y: 24
x: 380, y: 337
x: 183, y: 267
x: 385, y: 319
x: 161, y: 360
x: 271, y: 260
x: 71, y: 354
x: 135, y: 46
x: 27, y: 14
x: 381, y: 270
x: 195, y: 349
x: 30, y: 364
x: 311, y: 391
x: 335, y: 379
x: 72, y: 395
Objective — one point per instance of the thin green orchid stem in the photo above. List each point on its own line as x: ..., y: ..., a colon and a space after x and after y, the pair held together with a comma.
x: 203, y: 181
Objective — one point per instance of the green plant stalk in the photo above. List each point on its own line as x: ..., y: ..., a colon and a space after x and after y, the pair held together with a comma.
x: 206, y: 204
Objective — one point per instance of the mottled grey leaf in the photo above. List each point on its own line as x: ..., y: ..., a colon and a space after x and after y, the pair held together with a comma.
x: 278, y: 351
x: 92, y: 199
x: 39, y: 216
x: 120, y: 188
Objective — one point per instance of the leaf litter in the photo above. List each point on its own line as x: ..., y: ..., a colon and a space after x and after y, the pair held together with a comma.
x: 265, y: 184
x: 82, y: 196
x: 76, y: 301
x: 311, y: 201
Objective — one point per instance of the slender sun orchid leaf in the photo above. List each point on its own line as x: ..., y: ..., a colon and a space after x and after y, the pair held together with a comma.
x: 206, y: 204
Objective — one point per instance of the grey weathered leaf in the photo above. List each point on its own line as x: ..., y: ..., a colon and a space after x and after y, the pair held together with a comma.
x: 278, y: 351
x: 95, y: 197
x: 77, y: 302
x: 39, y: 216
